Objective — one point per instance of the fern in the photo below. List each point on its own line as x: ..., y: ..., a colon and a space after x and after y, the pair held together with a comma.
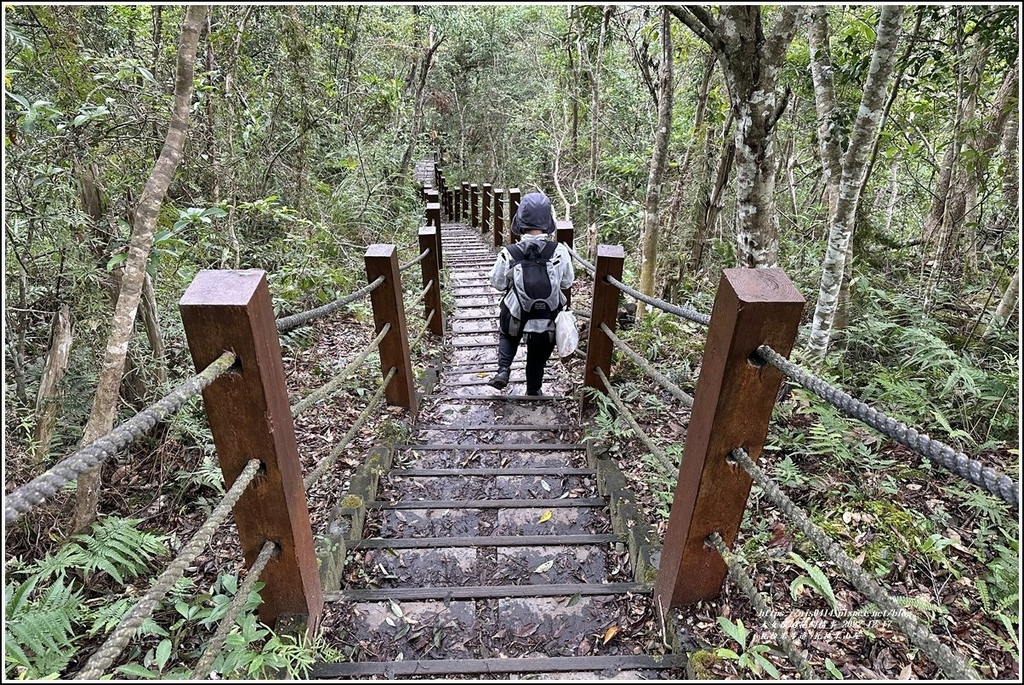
x: 39, y: 633
x: 118, y: 547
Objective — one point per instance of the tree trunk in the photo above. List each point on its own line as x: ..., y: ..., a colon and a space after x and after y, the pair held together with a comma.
x: 417, y: 116
x: 649, y: 263
x: 229, y: 128
x: 751, y: 60
x: 853, y: 168
x: 104, y: 406
x: 49, y: 394
x: 595, y: 146
x: 1008, y: 303
x: 153, y: 334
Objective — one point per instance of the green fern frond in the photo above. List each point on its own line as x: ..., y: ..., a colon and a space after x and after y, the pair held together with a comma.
x: 39, y: 632
x: 116, y: 546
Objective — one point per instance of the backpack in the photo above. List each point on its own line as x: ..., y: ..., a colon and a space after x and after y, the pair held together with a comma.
x: 535, y: 284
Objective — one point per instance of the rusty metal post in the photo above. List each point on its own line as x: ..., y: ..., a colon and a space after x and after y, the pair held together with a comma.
x: 513, y: 206
x: 464, y: 211
x: 604, y: 307
x: 498, y: 229
x: 564, y: 233
x: 731, y: 408
x: 388, y: 307
x: 474, y: 205
x: 485, y: 209
x: 430, y: 268
x: 250, y: 418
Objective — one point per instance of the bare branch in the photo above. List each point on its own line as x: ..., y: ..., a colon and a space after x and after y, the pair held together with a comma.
x: 699, y: 21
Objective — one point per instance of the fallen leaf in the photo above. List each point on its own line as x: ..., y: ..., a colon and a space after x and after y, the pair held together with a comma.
x: 584, y: 648
x: 609, y: 634
x: 527, y: 630
x: 544, y: 484
x: 545, y: 516
x: 395, y: 609
x: 546, y: 566
x: 906, y: 674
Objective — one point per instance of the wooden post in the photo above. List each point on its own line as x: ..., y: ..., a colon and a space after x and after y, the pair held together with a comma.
x: 565, y: 233
x: 250, y: 417
x: 464, y: 211
x: 438, y: 183
x: 485, y: 209
x: 434, y: 215
x: 457, y: 205
x: 731, y: 408
x: 388, y: 307
x: 605, y: 305
x: 430, y: 268
x: 474, y: 205
x: 499, y: 216
x: 513, y: 207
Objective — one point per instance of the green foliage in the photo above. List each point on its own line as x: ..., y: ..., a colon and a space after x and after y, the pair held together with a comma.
x: 814, y: 579
x: 750, y: 656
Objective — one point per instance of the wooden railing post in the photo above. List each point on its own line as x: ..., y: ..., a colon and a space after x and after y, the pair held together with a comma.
x: 457, y: 208
x: 250, y: 418
x: 513, y: 207
x: 438, y: 182
x: 564, y: 233
x: 731, y: 408
x: 485, y: 209
x: 605, y: 305
x: 388, y: 307
x: 430, y: 268
x: 474, y: 205
x: 433, y: 210
x: 464, y: 211
x: 449, y: 204
x: 499, y: 217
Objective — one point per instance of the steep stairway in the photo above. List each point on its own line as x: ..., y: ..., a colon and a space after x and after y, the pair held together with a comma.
x: 489, y: 551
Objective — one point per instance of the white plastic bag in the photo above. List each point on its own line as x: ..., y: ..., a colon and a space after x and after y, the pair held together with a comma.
x: 567, y: 336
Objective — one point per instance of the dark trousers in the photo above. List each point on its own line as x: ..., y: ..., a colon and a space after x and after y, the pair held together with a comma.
x: 539, y: 347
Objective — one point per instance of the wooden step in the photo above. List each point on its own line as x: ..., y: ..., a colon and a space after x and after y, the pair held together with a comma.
x: 419, y: 594
x: 486, y: 541
x: 490, y: 504
x: 443, y: 667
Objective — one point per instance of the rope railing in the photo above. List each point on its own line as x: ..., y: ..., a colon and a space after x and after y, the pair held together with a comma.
x: 953, y: 665
x: 423, y: 293
x: 672, y: 388
x: 216, y: 643
x: 735, y: 563
x: 34, y: 493
x: 655, y: 451
x: 409, y: 265
x: 423, y: 329
x: 584, y: 263
x: 685, y: 312
x: 100, y: 661
x: 294, y: 320
x: 326, y: 463
x: 326, y: 389
x: 934, y: 450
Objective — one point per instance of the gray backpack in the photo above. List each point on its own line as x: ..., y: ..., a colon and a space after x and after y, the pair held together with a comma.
x: 535, y: 284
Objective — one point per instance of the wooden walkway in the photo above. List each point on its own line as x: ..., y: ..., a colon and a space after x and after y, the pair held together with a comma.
x: 490, y: 550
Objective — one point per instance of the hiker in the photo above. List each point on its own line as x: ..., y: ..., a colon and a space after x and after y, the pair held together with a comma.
x: 533, y: 223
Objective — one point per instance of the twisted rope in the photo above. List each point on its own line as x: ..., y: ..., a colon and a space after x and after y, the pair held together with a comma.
x: 423, y: 293
x: 584, y: 263
x: 685, y: 312
x: 674, y: 389
x: 423, y: 255
x: 426, y: 324
x: 938, y: 452
x: 326, y: 389
x: 736, y: 573
x: 42, y: 487
x: 100, y: 661
x: 624, y: 411
x: 325, y: 464
x: 294, y: 320
x: 213, y: 648
x: 953, y: 665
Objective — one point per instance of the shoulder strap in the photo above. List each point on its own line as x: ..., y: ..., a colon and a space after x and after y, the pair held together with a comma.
x: 549, y: 250
x: 516, y: 252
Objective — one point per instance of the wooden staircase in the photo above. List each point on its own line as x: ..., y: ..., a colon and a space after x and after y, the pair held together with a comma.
x: 489, y: 551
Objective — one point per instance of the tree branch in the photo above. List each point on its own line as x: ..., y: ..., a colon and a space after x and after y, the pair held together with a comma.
x: 698, y: 20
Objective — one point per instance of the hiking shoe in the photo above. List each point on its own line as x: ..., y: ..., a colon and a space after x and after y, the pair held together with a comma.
x: 533, y: 393
x: 500, y: 379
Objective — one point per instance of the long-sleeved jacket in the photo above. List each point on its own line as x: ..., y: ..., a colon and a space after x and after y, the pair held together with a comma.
x: 501, y: 278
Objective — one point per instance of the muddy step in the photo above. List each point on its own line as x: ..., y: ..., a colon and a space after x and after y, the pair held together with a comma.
x: 475, y: 462
x: 587, y: 668
x: 487, y: 504
x: 550, y: 634
x: 539, y: 520
x: 469, y: 486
